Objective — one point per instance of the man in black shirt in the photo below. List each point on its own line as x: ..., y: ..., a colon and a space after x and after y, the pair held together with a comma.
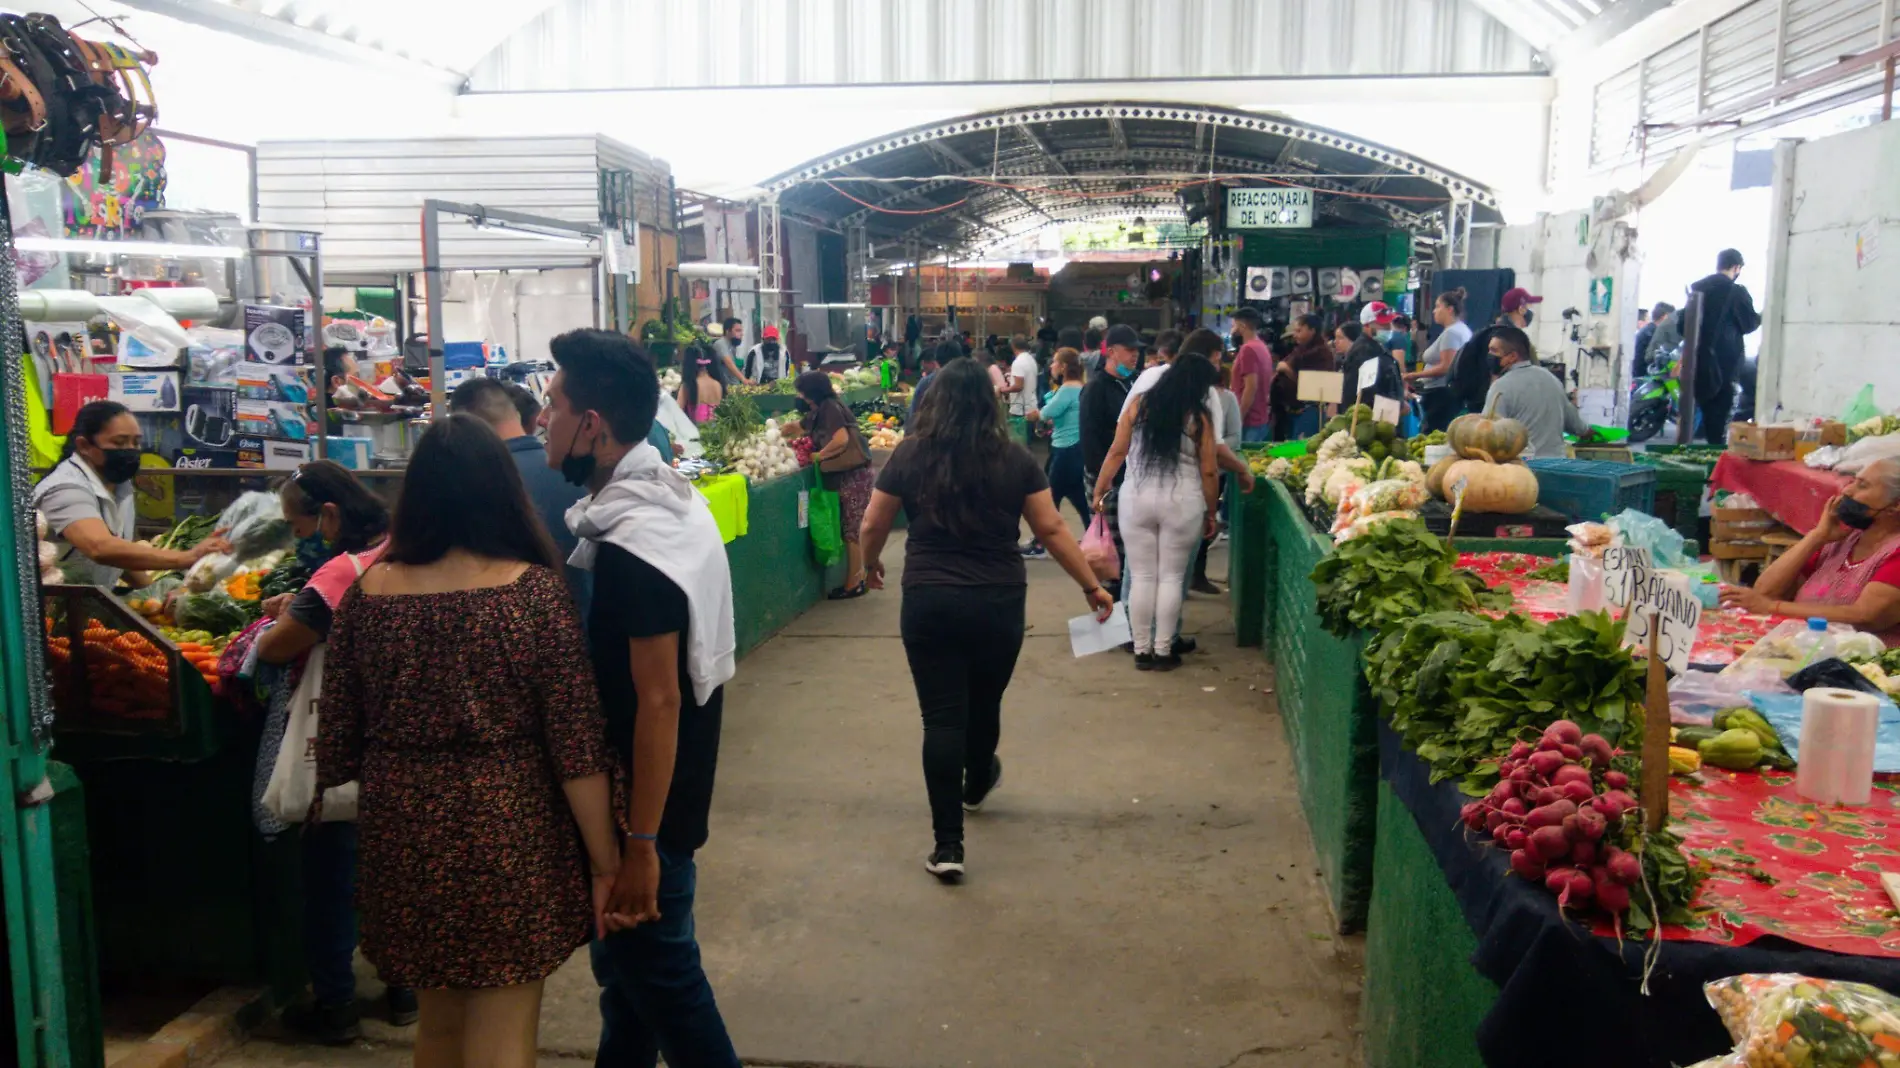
x: 660, y: 635
x: 1102, y: 401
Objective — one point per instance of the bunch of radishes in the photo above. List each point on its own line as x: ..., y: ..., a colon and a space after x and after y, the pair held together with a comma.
x: 1546, y: 809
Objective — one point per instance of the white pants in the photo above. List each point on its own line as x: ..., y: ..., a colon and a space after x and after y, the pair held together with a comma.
x: 1161, y: 521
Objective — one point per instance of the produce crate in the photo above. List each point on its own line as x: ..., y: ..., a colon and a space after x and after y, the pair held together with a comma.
x: 1593, y: 489
x: 1539, y: 522
x: 1616, y: 454
x: 119, y: 687
x: 1679, y: 489
x: 1327, y: 709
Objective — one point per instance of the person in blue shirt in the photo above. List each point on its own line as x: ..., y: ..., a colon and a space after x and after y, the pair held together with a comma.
x: 1062, y: 410
x: 493, y: 402
x: 933, y: 362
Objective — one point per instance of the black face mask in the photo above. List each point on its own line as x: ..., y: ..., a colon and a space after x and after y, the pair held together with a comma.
x: 120, y: 464
x: 1528, y: 316
x: 803, y: 405
x: 1855, y: 514
x: 577, y: 469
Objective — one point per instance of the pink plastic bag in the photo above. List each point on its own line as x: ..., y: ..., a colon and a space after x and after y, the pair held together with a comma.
x: 1098, y: 548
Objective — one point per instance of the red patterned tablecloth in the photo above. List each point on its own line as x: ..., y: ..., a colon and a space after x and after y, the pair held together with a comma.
x: 1720, y: 638
x: 1790, y: 490
x: 1788, y: 867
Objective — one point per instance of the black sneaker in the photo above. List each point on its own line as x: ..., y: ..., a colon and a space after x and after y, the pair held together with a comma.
x: 403, y: 1008
x: 1166, y: 663
x: 973, y: 802
x: 946, y: 862
x: 1144, y: 661
x: 1128, y: 646
x: 1202, y: 585
x: 1034, y: 552
x: 327, y: 1025
x: 1184, y: 644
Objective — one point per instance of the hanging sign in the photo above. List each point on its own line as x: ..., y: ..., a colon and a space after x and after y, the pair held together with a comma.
x: 1272, y: 208
x: 1368, y: 375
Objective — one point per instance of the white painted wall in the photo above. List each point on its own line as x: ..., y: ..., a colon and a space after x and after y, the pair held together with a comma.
x: 1839, y: 319
x: 1553, y: 259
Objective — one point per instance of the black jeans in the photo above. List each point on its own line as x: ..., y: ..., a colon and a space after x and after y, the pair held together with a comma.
x: 1715, y: 414
x: 962, y: 643
x: 1441, y: 405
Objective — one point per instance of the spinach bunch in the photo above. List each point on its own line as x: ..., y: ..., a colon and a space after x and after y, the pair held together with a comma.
x: 1460, y: 687
x: 1395, y: 571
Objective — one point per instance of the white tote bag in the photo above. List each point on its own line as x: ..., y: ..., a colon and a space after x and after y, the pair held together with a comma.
x: 293, y: 780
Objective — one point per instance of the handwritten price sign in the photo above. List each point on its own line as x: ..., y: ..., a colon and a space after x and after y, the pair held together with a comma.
x: 1668, y: 595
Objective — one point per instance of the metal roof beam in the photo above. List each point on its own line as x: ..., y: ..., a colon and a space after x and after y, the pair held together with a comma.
x: 939, y: 148
x: 1116, y: 134
x: 260, y: 28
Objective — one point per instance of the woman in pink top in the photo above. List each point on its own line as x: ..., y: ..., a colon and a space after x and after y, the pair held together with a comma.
x: 702, y: 384
x: 997, y: 378
x: 1847, y: 569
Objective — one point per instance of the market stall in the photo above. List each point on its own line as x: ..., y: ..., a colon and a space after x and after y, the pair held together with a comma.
x: 1789, y: 490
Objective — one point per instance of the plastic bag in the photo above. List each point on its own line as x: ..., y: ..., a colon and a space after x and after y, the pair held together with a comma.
x: 1824, y: 457
x: 1590, y: 539
x: 1641, y: 531
x: 1787, y: 649
x: 1862, y: 407
x: 1833, y: 674
x: 1782, y: 1019
x: 1866, y: 451
x: 1098, y: 548
x: 1696, y: 696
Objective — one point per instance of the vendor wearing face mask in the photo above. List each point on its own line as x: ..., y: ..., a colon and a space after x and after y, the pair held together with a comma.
x: 87, y: 503
x: 1847, y: 569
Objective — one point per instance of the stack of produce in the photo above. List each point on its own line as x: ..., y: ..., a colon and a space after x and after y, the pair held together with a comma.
x: 1374, y: 439
x: 781, y: 387
x: 1569, y: 820
x: 873, y: 414
x: 127, y: 676
x: 1738, y: 739
x: 1394, y: 572
x: 1483, y: 451
x: 764, y: 455
x: 1878, y: 426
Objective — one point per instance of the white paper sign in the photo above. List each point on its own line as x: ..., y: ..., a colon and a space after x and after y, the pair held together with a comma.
x: 1617, y: 562
x: 1668, y: 593
x: 804, y: 509
x: 1088, y: 637
x: 1368, y: 374
x: 1271, y: 208
x: 1387, y: 410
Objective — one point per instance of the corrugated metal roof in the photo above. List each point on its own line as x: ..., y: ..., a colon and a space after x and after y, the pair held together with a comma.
x: 451, y: 34
x: 601, y: 44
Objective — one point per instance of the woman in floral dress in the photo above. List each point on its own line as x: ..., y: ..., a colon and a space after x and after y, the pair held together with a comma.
x: 458, y: 693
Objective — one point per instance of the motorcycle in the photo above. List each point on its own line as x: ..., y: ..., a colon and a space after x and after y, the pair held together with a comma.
x: 1655, y: 400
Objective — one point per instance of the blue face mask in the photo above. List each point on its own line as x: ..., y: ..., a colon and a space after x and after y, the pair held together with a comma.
x: 1123, y: 371
x: 315, y: 551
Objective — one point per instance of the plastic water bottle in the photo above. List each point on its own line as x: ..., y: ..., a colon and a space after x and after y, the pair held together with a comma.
x: 1819, y: 642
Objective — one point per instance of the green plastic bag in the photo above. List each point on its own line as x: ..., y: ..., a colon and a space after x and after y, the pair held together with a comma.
x: 825, y: 517
x: 1863, y: 407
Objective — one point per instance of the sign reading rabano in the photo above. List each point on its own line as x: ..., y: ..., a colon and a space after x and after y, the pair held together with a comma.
x: 1273, y: 208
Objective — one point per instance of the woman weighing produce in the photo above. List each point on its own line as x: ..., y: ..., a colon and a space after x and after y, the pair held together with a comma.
x: 1847, y: 569
x: 87, y: 503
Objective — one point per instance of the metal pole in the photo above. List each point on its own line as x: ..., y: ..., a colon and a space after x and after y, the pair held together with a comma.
x: 1685, y: 369
x: 322, y: 379
x: 432, y: 277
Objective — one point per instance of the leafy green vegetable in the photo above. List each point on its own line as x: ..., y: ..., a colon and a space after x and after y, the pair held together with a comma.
x: 736, y: 419
x: 216, y: 612
x: 1460, y: 687
x: 287, y: 577
x: 1396, y: 571
x: 1557, y: 570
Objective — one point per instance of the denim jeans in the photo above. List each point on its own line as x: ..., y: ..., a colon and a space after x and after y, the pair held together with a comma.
x: 1254, y: 435
x: 1065, y: 480
x: 329, y: 910
x: 654, y: 996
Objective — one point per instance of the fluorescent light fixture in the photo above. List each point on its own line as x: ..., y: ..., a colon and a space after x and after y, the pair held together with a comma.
x: 82, y: 247
x: 496, y: 226
x: 835, y: 307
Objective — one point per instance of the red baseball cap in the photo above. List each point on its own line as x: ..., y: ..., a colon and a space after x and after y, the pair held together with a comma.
x: 1516, y: 299
x: 770, y: 333
x: 1377, y: 313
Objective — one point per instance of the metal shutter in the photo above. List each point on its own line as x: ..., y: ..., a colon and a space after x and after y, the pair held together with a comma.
x: 1614, y: 115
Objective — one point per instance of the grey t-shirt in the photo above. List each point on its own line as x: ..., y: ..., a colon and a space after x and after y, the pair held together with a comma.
x: 1454, y: 337
x: 71, y: 492
x: 1532, y: 395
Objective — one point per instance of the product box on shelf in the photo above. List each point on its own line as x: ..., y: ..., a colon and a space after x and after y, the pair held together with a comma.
x: 250, y: 452
x: 272, y: 382
x: 210, y: 419
x: 144, y: 391
x: 1753, y: 442
x: 274, y: 334
x: 273, y: 419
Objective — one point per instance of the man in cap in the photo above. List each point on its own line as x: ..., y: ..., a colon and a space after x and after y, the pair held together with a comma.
x: 1515, y: 307
x: 768, y: 361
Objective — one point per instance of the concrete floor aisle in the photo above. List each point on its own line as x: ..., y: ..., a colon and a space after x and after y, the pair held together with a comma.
x: 1141, y: 892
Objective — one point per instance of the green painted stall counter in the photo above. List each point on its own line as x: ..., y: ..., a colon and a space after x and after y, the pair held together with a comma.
x: 1422, y: 1000
x: 1327, y: 708
x: 774, y: 577
x: 1247, y: 551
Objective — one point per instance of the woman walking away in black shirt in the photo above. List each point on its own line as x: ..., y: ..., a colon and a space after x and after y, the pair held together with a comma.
x: 965, y: 488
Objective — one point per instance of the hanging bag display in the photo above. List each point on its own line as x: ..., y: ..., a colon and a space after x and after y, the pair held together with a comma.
x: 825, y: 516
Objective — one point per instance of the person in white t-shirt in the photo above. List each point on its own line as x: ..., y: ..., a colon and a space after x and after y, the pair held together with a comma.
x: 1021, y: 387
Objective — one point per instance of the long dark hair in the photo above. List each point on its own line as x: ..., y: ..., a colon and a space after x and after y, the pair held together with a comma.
x: 693, y: 359
x: 362, y: 518
x: 1174, y: 407
x: 960, y: 440
x: 463, y: 491
x: 91, y: 418
x: 1202, y: 342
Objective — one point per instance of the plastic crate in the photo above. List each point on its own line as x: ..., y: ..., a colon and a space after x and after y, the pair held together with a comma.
x: 1619, y: 454
x: 120, y: 689
x: 1679, y: 488
x: 1593, y: 489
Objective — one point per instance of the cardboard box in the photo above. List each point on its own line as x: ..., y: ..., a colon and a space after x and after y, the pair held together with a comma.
x: 273, y: 419
x: 272, y: 382
x: 250, y: 452
x: 144, y: 391
x: 274, y: 334
x: 1722, y: 550
x: 1833, y: 433
x: 72, y: 392
x: 1754, y: 442
x: 286, y: 455
x: 210, y: 417
x: 1724, y: 530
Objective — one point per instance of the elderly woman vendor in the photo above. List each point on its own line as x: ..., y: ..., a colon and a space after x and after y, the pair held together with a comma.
x: 1847, y: 569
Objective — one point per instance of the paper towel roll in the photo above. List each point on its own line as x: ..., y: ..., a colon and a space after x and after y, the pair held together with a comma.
x: 1837, y: 746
